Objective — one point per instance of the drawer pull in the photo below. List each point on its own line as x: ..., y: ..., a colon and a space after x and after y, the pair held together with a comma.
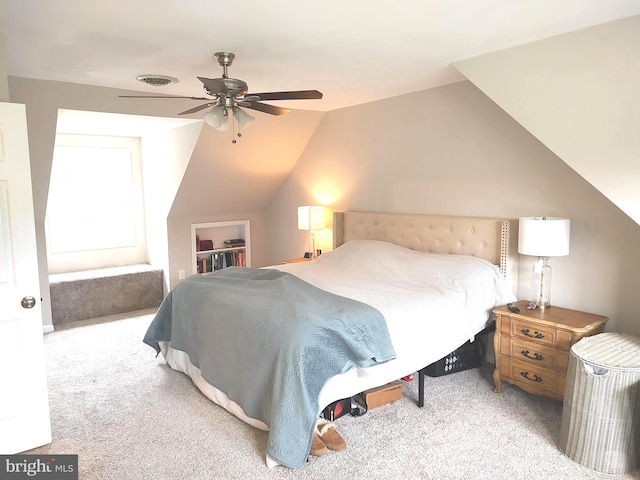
x: 536, y: 356
x: 527, y: 332
x: 535, y: 378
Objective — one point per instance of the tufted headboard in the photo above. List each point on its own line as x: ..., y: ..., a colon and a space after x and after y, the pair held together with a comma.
x: 486, y: 238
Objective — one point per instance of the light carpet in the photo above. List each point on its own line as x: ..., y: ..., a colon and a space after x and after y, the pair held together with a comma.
x: 128, y: 416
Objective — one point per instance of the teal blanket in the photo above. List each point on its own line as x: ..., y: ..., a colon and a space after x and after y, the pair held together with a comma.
x: 270, y: 341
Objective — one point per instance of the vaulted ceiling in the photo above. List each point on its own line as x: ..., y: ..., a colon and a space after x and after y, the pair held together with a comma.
x: 354, y: 52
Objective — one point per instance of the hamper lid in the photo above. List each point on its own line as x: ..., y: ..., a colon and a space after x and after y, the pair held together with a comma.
x: 614, y: 350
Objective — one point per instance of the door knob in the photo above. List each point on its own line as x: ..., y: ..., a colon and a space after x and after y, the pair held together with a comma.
x: 28, y: 302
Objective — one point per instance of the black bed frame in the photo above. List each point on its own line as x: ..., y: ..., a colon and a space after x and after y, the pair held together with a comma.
x: 424, y: 371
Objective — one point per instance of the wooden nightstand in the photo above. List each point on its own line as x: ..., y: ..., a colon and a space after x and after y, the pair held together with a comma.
x: 296, y: 260
x: 532, y: 347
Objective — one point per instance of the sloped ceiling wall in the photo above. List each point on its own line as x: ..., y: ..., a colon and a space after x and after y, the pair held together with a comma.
x: 227, y: 181
x: 224, y: 177
x: 579, y: 94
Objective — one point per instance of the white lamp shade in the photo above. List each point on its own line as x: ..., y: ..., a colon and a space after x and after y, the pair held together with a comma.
x: 544, y: 236
x: 225, y: 124
x: 218, y: 118
x: 243, y: 118
x: 311, y: 218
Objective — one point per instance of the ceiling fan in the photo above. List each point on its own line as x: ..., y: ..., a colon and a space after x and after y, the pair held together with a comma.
x: 227, y: 95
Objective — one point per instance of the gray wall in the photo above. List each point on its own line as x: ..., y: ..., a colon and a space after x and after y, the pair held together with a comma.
x: 451, y: 150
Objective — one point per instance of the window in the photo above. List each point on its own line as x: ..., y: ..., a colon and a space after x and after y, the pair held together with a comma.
x: 95, y: 214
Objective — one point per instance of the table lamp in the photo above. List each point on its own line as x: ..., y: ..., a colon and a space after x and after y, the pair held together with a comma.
x: 543, y: 237
x: 311, y: 218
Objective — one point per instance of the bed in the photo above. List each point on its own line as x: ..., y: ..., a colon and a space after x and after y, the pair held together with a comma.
x: 377, y: 320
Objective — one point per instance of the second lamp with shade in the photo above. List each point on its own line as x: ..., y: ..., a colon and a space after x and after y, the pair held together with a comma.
x: 543, y: 237
x: 311, y: 219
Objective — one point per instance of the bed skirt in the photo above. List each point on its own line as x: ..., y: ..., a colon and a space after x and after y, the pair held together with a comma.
x: 179, y: 361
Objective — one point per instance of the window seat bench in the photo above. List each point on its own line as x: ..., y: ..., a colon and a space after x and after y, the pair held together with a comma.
x: 106, y: 291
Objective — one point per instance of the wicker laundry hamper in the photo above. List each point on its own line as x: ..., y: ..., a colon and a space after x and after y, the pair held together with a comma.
x: 600, y: 426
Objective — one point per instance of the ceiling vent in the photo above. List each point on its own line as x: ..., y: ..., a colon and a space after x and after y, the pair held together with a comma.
x: 156, y: 80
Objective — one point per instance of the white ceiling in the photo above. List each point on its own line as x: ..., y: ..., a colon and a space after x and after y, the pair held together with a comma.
x: 354, y: 51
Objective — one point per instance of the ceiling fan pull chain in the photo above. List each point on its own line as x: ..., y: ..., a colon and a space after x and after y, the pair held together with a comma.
x: 233, y: 119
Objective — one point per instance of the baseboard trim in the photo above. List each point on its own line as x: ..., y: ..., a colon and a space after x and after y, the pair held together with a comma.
x: 47, y: 328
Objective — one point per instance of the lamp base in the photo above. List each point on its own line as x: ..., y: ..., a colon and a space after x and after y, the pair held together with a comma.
x: 541, y: 292
x: 312, y: 241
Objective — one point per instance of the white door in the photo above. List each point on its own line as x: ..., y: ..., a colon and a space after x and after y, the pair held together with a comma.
x: 24, y: 404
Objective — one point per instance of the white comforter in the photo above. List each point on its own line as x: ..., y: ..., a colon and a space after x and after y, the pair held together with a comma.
x: 432, y: 303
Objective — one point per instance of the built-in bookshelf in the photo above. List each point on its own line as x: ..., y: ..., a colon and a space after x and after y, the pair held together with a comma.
x: 218, y: 245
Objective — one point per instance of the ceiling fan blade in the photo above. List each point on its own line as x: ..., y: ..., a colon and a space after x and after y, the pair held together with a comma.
x: 198, y: 108
x: 263, y: 107
x: 213, y: 85
x: 161, y: 96
x: 297, y: 95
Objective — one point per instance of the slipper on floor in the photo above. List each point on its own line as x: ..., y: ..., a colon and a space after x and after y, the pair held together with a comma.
x: 329, y: 436
x: 318, y: 448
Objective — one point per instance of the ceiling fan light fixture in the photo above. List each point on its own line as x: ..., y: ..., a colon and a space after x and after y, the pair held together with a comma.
x: 243, y: 118
x: 227, y: 94
x: 156, y: 80
x: 217, y: 117
x: 225, y: 124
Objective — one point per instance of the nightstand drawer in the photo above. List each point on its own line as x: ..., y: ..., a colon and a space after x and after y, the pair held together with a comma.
x: 536, y: 354
x: 533, y: 332
x: 537, y: 379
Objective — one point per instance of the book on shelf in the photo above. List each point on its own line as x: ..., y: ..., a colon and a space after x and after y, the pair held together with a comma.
x: 234, y: 242
x: 220, y: 260
x: 204, y: 265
